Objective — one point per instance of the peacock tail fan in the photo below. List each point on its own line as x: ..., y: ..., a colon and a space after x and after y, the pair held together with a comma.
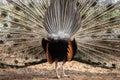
x: 22, y: 32
x: 94, y: 24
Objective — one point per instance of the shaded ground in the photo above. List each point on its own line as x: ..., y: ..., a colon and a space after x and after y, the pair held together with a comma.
x: 76, y: 71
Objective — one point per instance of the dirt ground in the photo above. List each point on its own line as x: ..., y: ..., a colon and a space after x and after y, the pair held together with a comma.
x: 75, y: 70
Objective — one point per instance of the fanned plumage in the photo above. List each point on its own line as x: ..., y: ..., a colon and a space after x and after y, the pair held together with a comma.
x: 62, y: 19
x: 93, y: 25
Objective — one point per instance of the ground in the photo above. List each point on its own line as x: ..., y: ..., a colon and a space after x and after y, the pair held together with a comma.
x: 75, y: 70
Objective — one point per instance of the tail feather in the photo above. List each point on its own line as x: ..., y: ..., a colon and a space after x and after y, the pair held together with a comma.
x: 62, y: 16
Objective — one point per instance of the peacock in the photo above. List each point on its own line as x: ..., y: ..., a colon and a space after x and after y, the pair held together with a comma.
x: 37, y: 31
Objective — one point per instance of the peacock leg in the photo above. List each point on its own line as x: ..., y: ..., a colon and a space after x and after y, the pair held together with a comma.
x: 64, y: 74
x: 56, y: 68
